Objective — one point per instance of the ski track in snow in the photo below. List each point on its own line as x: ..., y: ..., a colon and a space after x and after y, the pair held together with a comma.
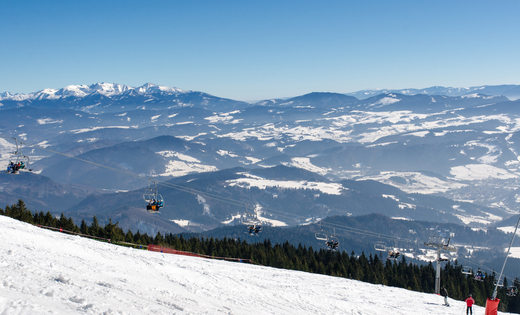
x: 46, y: 272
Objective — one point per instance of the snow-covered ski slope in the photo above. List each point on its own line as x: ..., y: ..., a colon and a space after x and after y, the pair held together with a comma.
x: 45, y: 272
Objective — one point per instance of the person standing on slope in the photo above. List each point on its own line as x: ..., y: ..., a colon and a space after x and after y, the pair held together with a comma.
x: 444, y: 293
x: 469, y: 303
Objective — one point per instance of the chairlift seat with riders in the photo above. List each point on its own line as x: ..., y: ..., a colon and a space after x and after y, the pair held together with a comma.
x: 512, y: 291
x: 17, y: 161
x: 332, y: 243
x: 154, y: 200
x: 254, y: 225
x: 393, y: 254
x: 254, y: 229
x: 479, y: 276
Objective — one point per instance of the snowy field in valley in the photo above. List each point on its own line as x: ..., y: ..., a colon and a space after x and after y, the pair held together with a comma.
x: 415, y: 182
x: 45, y: 272
x: 262, y: 183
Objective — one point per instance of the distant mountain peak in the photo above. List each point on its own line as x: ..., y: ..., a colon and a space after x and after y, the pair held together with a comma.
x: 81, y: 91
x: 510, y: 91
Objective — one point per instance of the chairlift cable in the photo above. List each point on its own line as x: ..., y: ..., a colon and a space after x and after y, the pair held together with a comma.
x: 215, y: 196
x: 482, y: 266
x: 206, y: 194
x: 162, y: 183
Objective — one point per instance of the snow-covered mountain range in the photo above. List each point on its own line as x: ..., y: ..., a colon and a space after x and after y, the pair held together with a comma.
x: 115, y: 89
x: 460, y: 153
x: 510, y: 91
x: 112, y: 97
x: 81, y: 91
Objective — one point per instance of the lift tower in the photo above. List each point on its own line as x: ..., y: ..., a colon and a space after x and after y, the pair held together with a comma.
x: 442, y: 244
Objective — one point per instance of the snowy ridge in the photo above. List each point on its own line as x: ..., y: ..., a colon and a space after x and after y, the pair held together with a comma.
x: 474, y: 91
x: 48, y: 272
x: 81, y: 91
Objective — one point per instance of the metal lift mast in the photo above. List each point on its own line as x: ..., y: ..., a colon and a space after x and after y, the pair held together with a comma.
x: 436, y: 241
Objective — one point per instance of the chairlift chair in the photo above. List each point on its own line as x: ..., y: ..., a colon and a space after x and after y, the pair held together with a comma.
x: 254, y: 229
x: 332, y: 243
x: 466, y: 270
x: 380, y: 246
x: 249, y: 218
x: 321, y: 235
x: 252, y: 222
x: 479, y: 276
x: 393, y: 254
x: 154, y: 200
x: 512, y: 291
x: 17, y: 161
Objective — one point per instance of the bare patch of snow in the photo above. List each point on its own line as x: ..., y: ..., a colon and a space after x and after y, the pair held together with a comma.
x: 46, y: 121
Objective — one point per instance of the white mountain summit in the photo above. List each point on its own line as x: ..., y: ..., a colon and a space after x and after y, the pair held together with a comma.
x: 81, y: 91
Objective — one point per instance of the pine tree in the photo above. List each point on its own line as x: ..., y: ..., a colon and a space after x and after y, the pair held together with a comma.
x: 84, y: 228
x: 159, y: 239
x: 129, y: 237
x: 49, y: 220
x: 113, y: 232
x: 95, y: 228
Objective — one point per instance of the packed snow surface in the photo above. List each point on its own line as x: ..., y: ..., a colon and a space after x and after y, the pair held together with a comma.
x: 45, y: 272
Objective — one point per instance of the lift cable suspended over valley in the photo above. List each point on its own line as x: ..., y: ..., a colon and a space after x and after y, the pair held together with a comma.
x: 215, y: 196
x: 331, y: 225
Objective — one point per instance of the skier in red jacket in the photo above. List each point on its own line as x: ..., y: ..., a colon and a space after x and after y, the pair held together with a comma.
x: 469, y: 303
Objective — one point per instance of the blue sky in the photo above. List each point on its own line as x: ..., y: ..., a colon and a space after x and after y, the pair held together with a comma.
x: 252, y: 50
